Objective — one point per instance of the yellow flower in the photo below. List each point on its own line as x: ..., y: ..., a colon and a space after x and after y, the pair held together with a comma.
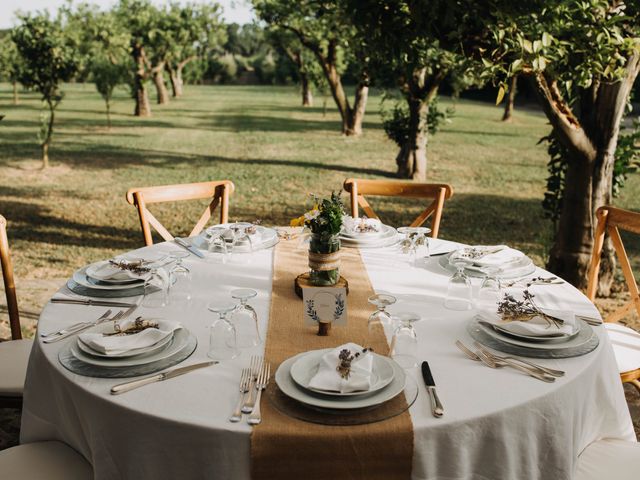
x: 297, y: 222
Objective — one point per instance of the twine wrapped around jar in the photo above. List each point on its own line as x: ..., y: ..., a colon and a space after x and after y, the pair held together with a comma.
x: 324, y: 261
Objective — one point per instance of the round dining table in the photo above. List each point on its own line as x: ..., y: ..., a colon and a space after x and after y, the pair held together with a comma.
x: 498, y: 423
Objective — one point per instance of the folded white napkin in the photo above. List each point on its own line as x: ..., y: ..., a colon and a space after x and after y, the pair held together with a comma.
x: 328, y: 378
x: 352, y: 225
x: 537, y: 326
x: 498, y: 258
x: 119, y: 344
x: 107, y: 271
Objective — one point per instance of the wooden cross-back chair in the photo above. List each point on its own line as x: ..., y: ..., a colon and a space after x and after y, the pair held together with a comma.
x: 14, y: 354
x: 626, y: 342
x: 217, y: 191
x: 439, y: 192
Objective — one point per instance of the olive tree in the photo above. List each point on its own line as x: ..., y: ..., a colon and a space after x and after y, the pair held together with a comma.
x: 47, y: 60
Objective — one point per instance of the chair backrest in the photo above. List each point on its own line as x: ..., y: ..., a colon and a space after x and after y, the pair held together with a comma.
x: 610, y: 220
x: 439, y: 192
x: 9, y: 284
x: 217, y: 191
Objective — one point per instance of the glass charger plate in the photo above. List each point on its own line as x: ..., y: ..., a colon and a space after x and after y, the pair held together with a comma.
x: 522, y: 268
x: 75, y: 287
x: 360, y: 416
x: 74, y: 365
x: 479, y: 334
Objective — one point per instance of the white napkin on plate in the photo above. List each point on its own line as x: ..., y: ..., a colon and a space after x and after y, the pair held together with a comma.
x: 107, y: 271
x: 351, y: 225
x: 548, y: 303
x: 501, y: 257
x: 328, y: 378
x: 119, y: 344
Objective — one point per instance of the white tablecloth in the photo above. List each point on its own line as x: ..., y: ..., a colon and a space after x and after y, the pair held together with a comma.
x: 499, y: 424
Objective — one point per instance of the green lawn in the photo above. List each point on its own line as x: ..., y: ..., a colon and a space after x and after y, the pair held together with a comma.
x: 275, y: 152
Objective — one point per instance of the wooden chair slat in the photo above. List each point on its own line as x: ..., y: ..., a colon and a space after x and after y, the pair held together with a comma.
x: 439, y: 192
x: 9, y: 282
x: 217, y: 191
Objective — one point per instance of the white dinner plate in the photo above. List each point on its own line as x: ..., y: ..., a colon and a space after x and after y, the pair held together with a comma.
x: 387, y: 232
x: 584, y: 336
x: 560, y: 338
x: 81, y: 278
x: 305, y: 368
x: 520, y: 268
x: 264, y: 238
x: 179, y: 340
x: 291, y: 389
x: 131, y: 353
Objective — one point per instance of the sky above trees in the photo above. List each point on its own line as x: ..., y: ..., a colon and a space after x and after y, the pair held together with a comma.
x: 235, y: 11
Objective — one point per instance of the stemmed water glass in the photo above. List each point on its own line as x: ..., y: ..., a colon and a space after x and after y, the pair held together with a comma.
x: 180, y: 277
x: 404, y: 344
x: 156, y: 288
x: 459, y: 291
x: 380, y: 317
x: 490, y: 289
x: 245, y: 318
x: 223, y: 343
x: 415, y: 243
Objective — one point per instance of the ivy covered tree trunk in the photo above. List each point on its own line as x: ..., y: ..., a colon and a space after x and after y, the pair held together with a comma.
x: 511, y: 97
x: 420, y: 90
x: 591, y: 141
x: 143, y: 109
x: 15, y: 92
x: 307, y: 96
x: 161, y: 88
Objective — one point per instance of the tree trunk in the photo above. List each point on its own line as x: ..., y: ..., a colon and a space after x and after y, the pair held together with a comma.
x: 173, y: 79
x: 356, y: 115
x: 108, y: 104
x: 179, y: 80
x: 307, y: 96
x: 161, y: 88
x: 47, y: 138
x: 508, y: 107
x: 143, y: 108
x: 15, y: 93
x: 592, y: 143
x: 412, y: 157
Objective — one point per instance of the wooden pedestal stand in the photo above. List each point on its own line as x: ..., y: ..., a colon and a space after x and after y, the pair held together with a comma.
x: 302, y: 281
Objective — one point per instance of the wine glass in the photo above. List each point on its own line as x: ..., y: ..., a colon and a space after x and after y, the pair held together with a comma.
x: 490, y: 290
x: 216, y: 244
x: 180, y: 277
x: 415, y: 243
x: 245, y: 319
x: 156, y: 288
x: 459, y: 291
x: 380, y: 317
x: 223, y: 344
x: 404, y: 344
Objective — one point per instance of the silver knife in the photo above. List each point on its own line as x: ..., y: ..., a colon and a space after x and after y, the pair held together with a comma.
x: 159, y: 377
x: 436, y: 407
x: 184, y: 244
x: 93, y: 303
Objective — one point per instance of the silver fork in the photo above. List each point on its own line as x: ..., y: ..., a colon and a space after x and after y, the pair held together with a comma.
x: 245, y: 382
x: 549, y: 371
x: 479, y: 356
x: 256, y: 366
x: 263, y: 380
x: 118, y: 316
x: 75, y: 326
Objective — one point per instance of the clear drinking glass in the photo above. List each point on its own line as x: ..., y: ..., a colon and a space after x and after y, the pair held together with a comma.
x: 223, y: 344
x: 180, y: 277
x: 490, y: 290
x: 380, y: 318
x: 459, y: 291
x: 156, y: 289
x: 415, y: 243
x: 404, y: 344
x: 245, y: 319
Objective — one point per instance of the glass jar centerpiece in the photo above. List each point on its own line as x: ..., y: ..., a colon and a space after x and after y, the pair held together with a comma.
x: 324, y: 221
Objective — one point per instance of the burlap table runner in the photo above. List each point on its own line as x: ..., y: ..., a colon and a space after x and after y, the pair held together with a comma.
x: 283, y: 447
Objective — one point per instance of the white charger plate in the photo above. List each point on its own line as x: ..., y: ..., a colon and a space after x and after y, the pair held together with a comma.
x: 131, y: 353
x: 563, y: 337
x: 521, y: 268
x: 387, y: 232
x: 291, y: 389
x: 584, y: 335
x: 305, y: 368
x: 265, y: 238
x: 81, y: 278
x: 179, y: 340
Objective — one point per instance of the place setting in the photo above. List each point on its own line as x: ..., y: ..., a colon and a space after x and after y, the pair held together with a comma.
x: 234, y: 238
x: 500, y: 261
x: 366, y: 232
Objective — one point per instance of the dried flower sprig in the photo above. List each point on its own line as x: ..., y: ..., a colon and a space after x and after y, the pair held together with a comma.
x: 136, y: 267
x: 346, y: 358
x: 138, y: 325
x: 523, y: 310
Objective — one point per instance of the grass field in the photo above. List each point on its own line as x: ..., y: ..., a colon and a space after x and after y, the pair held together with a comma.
x: 275, y: 151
